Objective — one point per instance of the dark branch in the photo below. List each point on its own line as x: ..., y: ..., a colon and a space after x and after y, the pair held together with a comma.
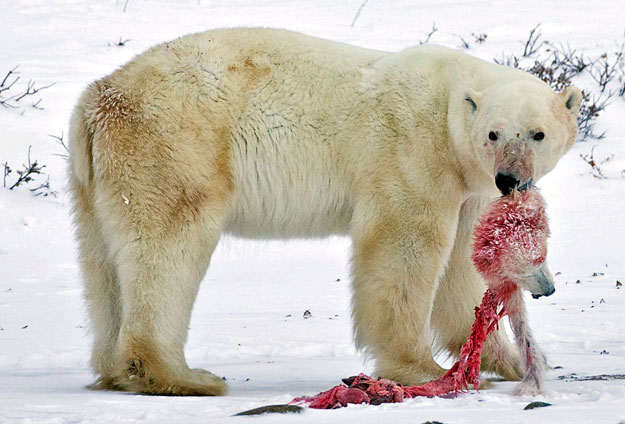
x: 25, y: 175
x: 530, y: 44
x: 359, y: 10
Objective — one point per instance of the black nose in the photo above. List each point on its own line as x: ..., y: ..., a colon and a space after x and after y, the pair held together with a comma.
x: 506, y: 183
x: 548, y: 293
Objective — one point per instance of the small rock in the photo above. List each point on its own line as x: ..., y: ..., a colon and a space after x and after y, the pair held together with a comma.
x: 272, y: 409
x: 537, y: 404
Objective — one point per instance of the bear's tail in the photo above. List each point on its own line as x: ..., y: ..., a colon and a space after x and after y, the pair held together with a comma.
x: 82, y: 130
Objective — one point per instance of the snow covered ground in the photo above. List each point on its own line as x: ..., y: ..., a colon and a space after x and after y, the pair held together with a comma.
x: 248, y: 322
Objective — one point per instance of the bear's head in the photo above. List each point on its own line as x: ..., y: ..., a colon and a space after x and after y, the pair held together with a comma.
x: 519, y: 130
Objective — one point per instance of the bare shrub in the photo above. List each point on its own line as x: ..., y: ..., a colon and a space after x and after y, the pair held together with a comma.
x: 25, y: 175
x: 532, y: 45
x: 429, y: 34
x: 479, y: 38
x: 604, y: 70
x: 10, y: 96
x: 557, y: 65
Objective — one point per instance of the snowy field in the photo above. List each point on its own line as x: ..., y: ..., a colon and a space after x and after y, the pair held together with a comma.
x: 248, y: 321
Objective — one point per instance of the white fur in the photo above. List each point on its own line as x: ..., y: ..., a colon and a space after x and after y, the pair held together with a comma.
x: 532, y: 358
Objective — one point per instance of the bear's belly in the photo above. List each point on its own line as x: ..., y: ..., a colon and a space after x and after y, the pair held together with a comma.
x: 294, y: 188
x: 285, y: 209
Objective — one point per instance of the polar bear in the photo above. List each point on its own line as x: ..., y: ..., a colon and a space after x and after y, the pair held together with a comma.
x: 273, y: 134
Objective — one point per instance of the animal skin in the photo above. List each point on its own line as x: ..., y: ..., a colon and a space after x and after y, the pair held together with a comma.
x: 510, y: 251
x: 272, y: 134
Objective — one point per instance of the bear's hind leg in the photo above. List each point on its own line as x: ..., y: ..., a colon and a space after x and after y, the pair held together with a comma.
x: 159, y: 273
x: 160, y: 183
x: 101, y: 288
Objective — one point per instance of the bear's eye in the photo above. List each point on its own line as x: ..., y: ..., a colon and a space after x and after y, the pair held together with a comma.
x: 492, y: 136
x: 539, y: 136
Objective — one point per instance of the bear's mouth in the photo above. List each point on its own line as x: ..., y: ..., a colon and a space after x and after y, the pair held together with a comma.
x: 506, y: 183
x: 538, y: 296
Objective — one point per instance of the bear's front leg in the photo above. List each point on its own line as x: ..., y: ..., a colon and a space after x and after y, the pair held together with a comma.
x: 460, y: 291
x: 399, y: 253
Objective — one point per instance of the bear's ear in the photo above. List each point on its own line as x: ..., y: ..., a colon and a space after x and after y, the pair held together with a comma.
x: 572, y: 98
x: 473, y: 98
